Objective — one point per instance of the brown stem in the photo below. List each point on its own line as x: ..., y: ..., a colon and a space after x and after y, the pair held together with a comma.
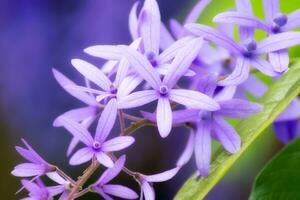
x: 122, y: 122
x: 82, y: 179
x: 136, y: 125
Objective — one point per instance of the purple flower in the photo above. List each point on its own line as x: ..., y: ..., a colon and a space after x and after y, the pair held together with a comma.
x: 38, y: 191
x: 85, y: 115
x: 104, y: 189
x: 286, y: 125
x: 248, y: 54
x: 211, y: 125
x: 163, y: 91
x: 36, y: 166
x: 275, y: 23
x: 148, y: 27
x: 146, y: 180
x: 97, y: 147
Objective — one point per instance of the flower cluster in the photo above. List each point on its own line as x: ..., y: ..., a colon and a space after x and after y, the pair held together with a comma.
x: 194, y: 75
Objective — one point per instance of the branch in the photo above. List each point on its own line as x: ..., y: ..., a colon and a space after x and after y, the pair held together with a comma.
x: 82, y: 179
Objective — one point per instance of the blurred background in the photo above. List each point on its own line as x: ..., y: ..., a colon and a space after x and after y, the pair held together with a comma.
x: 36, y: 36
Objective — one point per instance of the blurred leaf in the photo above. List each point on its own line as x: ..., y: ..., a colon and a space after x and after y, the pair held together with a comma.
x: 278, y: 97
x: 279, y: 180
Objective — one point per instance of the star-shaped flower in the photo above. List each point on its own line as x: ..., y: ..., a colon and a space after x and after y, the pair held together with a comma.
x: 36, y: 166
x: 97, y: 147
x: 164, y: 91
x: 275, y: 23
x: 105, y: 190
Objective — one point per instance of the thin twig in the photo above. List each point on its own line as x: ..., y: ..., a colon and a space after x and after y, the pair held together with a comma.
x: 82, y: 179
x: 122, y: 122
x: 64, y: 175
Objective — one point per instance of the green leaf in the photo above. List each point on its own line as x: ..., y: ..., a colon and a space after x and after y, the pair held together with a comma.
x: 278, y: 97
x: 280, y: 178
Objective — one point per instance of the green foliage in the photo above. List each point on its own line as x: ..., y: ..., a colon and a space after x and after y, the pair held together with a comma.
x: 280, y: 179
x: 278, y: 97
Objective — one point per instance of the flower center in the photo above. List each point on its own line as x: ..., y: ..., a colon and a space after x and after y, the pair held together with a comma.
x: 205, y: 115
x: 163, y: 90
x: 113, y: 90
x: 151, y: 56
x: 250, y: 46
x: 96, y: 145
x: 280, y: 19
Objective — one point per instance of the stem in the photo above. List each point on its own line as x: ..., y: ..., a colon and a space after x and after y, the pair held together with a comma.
x: 83, y: 192
x: 82, y: 179
x: 131, y: 117
x: 64, y: 175
x: 136, y: 125
x: 122, y: 122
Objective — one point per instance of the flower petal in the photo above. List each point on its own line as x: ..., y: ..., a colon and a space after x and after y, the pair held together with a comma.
x: 120, y: 191
x: 81, y: 156
x: 64, y: 81
x: 112, y: 172
x: 196, y: 11
x: 128, y: 85
x: 206, y: 84
x: 255, y: 86
x: 193, y: 99
x: 271, y: 8
x: 238, y: 108
x: 183, y: 61
x: 226, y: 93
x: 104, y: 159
x: 291, y: 112
x: 72, y: 145
x: 142, y: 66
x: 239, y: 74
x: 188, y: 151
x: 150, y: 26
x: 176, y: 29
x: 293, y: 20
x: 77, y: 115
x: 137, y: 99
x: 77, y: 130
x: 55, y: 190
x: 163, y: 176
x: 203, y: 147
x: 101, y: 192
x: 106, y: 121
x: 166, y: 39
x: 169, y: 54
x: 148, y: 191
x: 214, y: 36
x: 264, y: 66
x: 227, y: 136
x: 92, y: 73
x: 279, y: 60
x: 241, y: 19
x: 29, y: 169
x: 278, y: 42
x: 133, y: 21
x: 117, y: 143
x: 164, y: 117
x: 107, y: 52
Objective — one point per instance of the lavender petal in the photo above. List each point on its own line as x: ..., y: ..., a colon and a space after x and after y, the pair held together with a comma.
x: 193, y: 99
x: 203, y: 147
x: 106, y: 121
x: 164, y: 117
x: 137, y: 99
x: 227, y: 136
x: 82, y: 156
